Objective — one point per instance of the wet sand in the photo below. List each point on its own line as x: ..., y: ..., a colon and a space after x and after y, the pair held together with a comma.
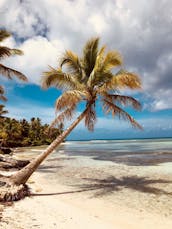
x: 80, y: 192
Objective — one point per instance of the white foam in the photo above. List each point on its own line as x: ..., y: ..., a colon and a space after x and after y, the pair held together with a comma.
x: 37, y: 150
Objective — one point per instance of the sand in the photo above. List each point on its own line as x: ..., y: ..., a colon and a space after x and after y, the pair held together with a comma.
x: 79, y: 192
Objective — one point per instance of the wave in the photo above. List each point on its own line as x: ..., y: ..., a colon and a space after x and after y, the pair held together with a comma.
x: 102, y: 141
x: 37, y: 150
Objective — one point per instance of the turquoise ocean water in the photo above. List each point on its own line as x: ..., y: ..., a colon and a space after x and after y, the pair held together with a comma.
x: 131, y: 152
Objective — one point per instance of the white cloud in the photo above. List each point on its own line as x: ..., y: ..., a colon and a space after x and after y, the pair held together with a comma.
x: 38, y: 54
x: 98, y: 23
x: 49, y: 26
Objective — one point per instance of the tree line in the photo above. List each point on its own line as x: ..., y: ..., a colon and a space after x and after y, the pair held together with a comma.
x: 21, y: 133
x: 14, y: 133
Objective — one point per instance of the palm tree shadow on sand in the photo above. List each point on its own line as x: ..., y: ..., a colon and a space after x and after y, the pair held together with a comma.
x: 103, y: 187
x: 49, y: 168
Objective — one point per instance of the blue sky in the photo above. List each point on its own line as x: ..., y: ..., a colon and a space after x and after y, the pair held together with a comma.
x: 45, y: 29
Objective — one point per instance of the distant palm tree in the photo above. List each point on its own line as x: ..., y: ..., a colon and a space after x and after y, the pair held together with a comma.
x: 2, y: 111
x: 2, y: 97
x: 4, y: 70
x: 86, y: 79
x: 7, y: 52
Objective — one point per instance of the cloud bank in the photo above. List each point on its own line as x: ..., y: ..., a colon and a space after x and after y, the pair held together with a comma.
x: 140, y: 30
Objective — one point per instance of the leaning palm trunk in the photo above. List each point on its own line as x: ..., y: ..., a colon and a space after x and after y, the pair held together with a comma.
x: 23, y: 175
x: 85, y: 79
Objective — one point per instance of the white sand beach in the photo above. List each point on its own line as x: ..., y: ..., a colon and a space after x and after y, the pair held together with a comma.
x: 79, y: 192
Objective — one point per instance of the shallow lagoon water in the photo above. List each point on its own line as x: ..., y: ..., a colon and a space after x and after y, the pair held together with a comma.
x: 131, y: 152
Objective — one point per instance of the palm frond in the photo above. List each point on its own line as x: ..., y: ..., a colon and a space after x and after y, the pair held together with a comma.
x: 71, y: 60
x: 4, y: 52
x: 69, y: 98
x: 102, y: 69
x: 121, y: 80
x: 3, y: 98
x: 98, y: 78
x: 125, y: 79
x: 66, y: 114
x: 110, y: 107
x: 123, y: 100
x: 2, y: 111
x: 1, y: 90
x: 88, y: 78
x: 111, y: 60
x: 59, y: 79
x: 100, y: 58
x: 9, y: 72
x: 90, y: 117
x: 16, y: 52
x: 4, y: 34
x: 90, y: 55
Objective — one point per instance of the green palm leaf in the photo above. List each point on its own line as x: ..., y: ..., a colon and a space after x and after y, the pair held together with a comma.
x: 59, y: 79
x: 90, y: 55
x: 98, y: 78
x: 116, y: 110
x: 102, y: 69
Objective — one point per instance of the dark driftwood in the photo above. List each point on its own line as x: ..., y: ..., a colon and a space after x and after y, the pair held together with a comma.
x: 5, y: 150
x: 9, y: 162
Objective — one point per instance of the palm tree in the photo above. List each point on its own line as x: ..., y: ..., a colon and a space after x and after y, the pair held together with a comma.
x: 4, y: 70
x: 2, y: 111
x: 2, y: 97
x: 85, y: 79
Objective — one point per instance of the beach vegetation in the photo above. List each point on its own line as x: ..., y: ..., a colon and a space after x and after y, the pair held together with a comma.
x: 22, y: 133
x: 6, y: 71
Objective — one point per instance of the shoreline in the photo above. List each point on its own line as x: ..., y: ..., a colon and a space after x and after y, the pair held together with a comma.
x: 79, y: 192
